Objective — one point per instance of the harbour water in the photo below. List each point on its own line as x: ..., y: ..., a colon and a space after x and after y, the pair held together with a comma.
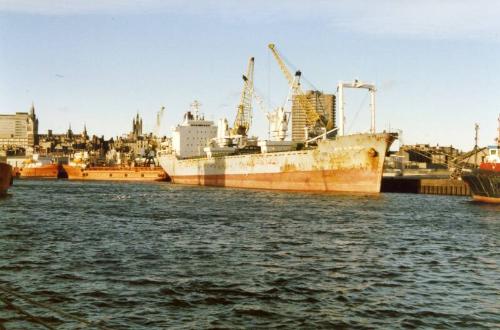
x: 156, y: 255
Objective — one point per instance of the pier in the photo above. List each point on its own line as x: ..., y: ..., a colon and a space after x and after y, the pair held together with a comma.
x: 425, y: 185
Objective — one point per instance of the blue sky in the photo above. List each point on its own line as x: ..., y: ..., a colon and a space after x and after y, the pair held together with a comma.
x: 436, y: 63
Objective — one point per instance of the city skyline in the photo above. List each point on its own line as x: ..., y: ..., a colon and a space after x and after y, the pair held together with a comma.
x: 434, y: 64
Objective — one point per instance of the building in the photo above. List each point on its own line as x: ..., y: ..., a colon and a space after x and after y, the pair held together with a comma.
x: 19, y: 130
x: 136, y: 128
x: 427, y: 156
x: 323, y: 104
x: 64, y: 143
x: 133, y: 146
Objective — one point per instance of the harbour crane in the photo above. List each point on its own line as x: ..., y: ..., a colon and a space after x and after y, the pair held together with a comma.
x: 159, y: 116
x: 243, y: 118
x: 313, y: 120
x: 278, y: 119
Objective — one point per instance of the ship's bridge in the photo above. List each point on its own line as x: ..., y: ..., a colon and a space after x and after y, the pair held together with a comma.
x: 493, y: 154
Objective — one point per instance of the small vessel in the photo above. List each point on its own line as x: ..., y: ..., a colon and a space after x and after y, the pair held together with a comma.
x: 39, y: 167
x: 5, y: 177
x: 47, y: 171
x: 484, y: 182
x: 79, y: 168
x: 115, y: 173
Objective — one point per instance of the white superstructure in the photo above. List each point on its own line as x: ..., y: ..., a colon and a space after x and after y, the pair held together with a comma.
x: 192, y: 136
x: 494, y: 150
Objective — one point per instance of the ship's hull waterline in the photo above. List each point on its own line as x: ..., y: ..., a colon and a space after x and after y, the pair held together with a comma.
x: 351, y: 163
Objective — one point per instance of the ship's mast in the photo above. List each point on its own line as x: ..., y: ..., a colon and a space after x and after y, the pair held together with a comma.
x: 195, y: 107
x: 476, y: 128
x: 498, y: 137
x: 340, y: 92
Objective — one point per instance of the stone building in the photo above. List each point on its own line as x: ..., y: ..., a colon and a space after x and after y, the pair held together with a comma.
x: 427, y: 156
x: 133, y: 145
x: 136, y: 128
x: 19, y: 130
x: 67, y: 143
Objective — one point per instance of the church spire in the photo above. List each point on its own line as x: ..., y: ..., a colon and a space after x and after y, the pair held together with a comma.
x: 69, y: 134
x: 84, y: 133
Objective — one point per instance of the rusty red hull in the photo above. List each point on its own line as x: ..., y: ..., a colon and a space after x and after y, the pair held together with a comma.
x: 49, y: 171
x: 5, y: 177
x: 116, y: 174
x: 354, y: 180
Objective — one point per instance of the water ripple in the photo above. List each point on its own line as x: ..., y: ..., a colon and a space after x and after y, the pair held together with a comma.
x: 155, y: 256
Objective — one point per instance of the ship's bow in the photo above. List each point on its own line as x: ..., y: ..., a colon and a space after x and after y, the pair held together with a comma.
x: 484, y: 184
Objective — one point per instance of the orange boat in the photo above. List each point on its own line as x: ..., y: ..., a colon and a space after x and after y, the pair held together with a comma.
x: 48, y: 171
x: 5, y: 177
x: 115, y: 173
x: 39, y: 167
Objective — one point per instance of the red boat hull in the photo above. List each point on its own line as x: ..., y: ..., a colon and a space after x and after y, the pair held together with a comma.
x: 49, y: 171
x: 5, y: 177
x: 495, y: 167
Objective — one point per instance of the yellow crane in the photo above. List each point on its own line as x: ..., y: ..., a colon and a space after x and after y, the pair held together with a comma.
x: 313, y: 119
x: 244, y: 113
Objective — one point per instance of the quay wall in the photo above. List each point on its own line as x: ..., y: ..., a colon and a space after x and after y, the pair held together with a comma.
x: 422, y: 185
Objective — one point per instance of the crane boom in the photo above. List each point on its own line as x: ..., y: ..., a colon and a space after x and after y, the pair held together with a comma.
x: 283, y: 67
x: 312, y: 116
x: 243, y: 118
x: 159, y: 116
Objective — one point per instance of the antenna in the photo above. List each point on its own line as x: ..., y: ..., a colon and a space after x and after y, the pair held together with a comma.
x: 196, y: 107
x: 476, y: 128
x: 498, y: 137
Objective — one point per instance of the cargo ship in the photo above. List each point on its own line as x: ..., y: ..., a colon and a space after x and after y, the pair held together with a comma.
x: 344, y: 163
x: 484, y: 182
x: 347, y: 164
x: 115, y: 173
x: 315, y: 157
x: 5, y: 177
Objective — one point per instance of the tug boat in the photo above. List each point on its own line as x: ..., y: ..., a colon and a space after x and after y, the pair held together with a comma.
x: 484, y: 182
x: 39, y: 167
